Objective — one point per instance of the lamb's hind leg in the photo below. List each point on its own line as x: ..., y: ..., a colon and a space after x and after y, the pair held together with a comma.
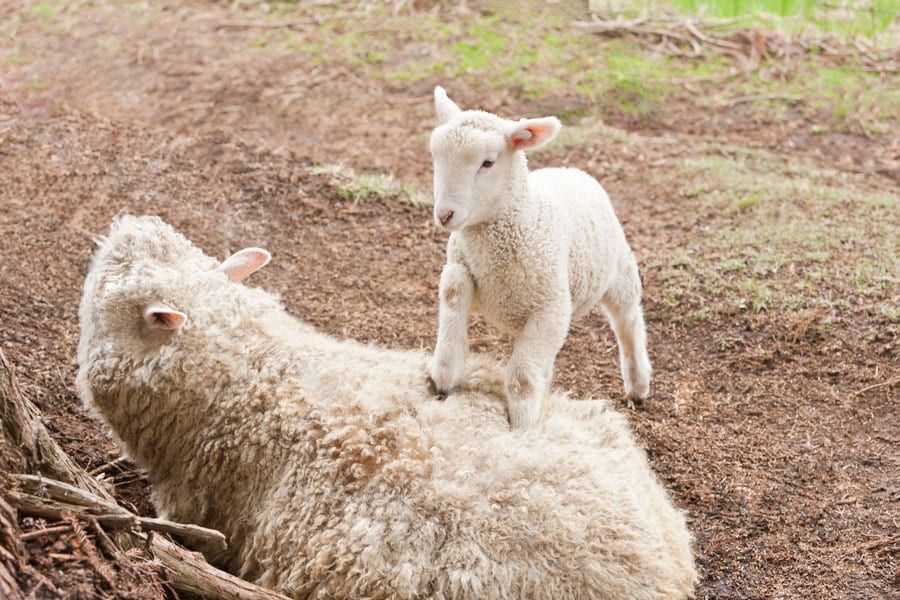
x: 623, y: 307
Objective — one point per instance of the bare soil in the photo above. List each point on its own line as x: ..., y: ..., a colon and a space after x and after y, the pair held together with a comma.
x: 779, y: 438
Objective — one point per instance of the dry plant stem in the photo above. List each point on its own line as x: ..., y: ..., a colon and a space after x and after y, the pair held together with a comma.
x: 869, y: 388
x: 25, y: 443
x: 32, y: 535
x: 83, y: 503
x: 294, y: 24
x: 111, y: 464
x: 744, y: 99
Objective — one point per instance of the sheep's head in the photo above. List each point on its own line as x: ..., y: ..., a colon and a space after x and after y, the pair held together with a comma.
x: 474, y: 154
x: 146, y: 285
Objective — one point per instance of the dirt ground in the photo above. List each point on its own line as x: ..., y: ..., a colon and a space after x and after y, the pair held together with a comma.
x: 779, y: 439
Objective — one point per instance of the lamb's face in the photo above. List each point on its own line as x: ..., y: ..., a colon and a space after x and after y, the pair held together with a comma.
x: 146, y: 287
x: 469, y: 168
x: 474, y: 153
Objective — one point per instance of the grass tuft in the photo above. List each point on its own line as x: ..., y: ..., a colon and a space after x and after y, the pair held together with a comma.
x: 359, y: 187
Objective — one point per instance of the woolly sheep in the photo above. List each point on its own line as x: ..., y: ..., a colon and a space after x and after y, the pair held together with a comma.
x: 531, y: 250
x: 332, y: 469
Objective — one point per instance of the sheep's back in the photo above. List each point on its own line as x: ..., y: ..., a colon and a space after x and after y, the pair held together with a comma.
x: 568, y: 510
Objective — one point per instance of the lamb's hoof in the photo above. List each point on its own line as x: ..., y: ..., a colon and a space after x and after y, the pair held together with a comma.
x: 524, y: 415
x: 434, y: 391
x: 636, y: 402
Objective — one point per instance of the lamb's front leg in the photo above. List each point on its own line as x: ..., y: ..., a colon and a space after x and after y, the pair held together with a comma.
x: 530, y: 368
x: 457, y: 289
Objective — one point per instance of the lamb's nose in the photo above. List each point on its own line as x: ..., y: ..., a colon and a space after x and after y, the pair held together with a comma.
x: 445, y: 218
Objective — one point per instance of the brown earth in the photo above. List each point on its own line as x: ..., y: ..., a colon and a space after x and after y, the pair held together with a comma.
x: 779, y: 439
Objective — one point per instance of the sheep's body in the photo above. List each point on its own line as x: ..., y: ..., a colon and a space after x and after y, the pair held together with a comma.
x: 332, y: 469
x: 531, y: 250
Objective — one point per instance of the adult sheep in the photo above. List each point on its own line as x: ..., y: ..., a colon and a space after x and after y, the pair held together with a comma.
x: 532, y: 250
x: 330, y: 466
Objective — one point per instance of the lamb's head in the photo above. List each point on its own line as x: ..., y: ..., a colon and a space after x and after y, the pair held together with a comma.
x: 477, y: 158
x: 150, y: 291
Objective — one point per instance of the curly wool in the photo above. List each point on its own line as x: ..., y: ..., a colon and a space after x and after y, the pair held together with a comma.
x: 335, y: 472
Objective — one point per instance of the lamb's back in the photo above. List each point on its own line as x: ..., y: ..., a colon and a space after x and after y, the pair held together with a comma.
x: 586, y: 217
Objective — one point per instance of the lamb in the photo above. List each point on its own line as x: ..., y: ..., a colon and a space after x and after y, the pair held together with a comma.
x: 532, y: 250
x: 331, y: 466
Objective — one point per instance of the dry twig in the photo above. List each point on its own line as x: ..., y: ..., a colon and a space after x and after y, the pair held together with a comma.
x: 875, y: 386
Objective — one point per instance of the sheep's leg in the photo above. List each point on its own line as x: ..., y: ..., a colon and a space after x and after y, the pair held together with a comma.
x: 456, y: 292
x: 530, y: 368
x: 623, y: 307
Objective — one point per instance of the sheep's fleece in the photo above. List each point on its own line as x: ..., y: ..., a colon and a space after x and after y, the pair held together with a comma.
x: 331, y: 467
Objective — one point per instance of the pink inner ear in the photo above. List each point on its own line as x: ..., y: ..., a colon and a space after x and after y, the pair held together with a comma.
x: 519, y: 138
x: 160, y: 316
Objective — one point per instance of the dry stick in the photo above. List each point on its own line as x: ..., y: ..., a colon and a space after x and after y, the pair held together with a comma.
x: 11, y: 552
x: 57, y: 490
x: 295, y: 24
x: 107, y: 546
x: 194, y: 575
x: 31, y: 535
x: 65, y: 497
x: 743, y: 99
x: 189, y: 570
x: 888, y: 383
x: 105, y: 467
x: 689, y: 25
x: 21, y: 427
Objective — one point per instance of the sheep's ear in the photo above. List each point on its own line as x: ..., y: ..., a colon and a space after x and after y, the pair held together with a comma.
x: 445, y: 107
x: 159, y: 316
x: 533, y: 133
x: 244, y: 263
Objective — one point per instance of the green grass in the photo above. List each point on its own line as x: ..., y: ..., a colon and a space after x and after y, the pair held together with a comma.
x: 360, y: 187
x: 620, y: 80
x: 45, y: 10
x: 778, y: 236
x: 866, y: 17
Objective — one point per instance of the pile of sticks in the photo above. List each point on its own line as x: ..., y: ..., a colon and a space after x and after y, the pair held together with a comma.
x: 701, y: 38
x: 39, y: 480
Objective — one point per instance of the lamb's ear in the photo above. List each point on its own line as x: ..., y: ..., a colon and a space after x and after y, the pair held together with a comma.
x: 159, y: 316
x: 244, y: 263
x: 532, y: 133
x: 445, y: 107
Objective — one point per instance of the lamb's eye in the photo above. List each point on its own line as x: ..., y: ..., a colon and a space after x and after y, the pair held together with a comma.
x: 487, y: 164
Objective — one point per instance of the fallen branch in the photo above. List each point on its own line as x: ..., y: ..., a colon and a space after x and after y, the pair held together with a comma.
x: 29, y: 443
x: 192, y: 574
x: 10, y: 552
x: 62, y: 497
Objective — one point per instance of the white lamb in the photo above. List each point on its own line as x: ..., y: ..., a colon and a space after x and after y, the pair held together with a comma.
x: 332, y: 469
x: 531, y: 250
